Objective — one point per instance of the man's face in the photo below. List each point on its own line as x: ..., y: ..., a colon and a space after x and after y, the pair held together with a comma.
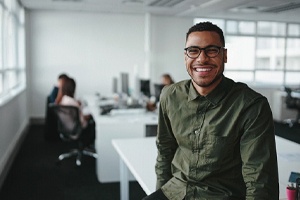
x: 205, y: 72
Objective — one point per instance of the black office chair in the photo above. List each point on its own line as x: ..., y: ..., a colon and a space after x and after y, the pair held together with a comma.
x: 70, y: 129
x: 50, y: 131
x: 292, y: 103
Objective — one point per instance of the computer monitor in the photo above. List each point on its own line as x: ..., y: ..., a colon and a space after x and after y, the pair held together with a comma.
x: 145, y: 87
x: 115, y: 85
x: 157, y: 90
x: 125, y: 83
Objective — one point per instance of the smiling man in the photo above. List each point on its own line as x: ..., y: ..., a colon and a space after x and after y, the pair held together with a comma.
x: 215, y: 137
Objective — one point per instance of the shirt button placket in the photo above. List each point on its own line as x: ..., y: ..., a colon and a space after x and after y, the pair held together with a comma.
x: 195, y: 154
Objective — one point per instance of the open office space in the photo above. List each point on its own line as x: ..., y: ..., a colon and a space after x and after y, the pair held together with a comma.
x: 96, y: 47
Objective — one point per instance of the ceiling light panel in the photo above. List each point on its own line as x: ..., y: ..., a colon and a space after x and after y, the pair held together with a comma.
x: 282, y: 8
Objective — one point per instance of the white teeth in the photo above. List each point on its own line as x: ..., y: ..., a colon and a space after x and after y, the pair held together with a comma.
x: 202, y: 69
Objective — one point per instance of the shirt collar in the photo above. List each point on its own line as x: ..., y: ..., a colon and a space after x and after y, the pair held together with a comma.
x: 193, y: 94
x: 214, y: 96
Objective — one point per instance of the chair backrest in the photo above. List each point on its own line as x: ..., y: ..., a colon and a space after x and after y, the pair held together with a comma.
x: 68, y: 119
x: 51, y: 131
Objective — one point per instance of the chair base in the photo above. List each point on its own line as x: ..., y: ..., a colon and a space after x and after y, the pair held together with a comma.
x: 291, y: 122
x: 78, y: 153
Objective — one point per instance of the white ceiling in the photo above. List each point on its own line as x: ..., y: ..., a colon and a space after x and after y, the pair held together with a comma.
x: 271, y: 10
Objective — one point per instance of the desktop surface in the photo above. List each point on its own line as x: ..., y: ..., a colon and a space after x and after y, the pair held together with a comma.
x: 139, y: 155
x: 119, y: 123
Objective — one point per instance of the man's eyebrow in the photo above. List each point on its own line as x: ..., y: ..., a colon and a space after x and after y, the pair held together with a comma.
x: 211, y: 45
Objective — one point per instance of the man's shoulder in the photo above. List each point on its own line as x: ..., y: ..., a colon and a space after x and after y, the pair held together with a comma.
x: 242, y: 90
x: 181, y: 86
x: 176, y: 90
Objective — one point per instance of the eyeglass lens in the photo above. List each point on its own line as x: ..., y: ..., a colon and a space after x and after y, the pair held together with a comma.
x: 194, y: 52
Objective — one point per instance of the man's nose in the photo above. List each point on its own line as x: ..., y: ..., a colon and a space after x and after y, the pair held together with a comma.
x: 202, y: 56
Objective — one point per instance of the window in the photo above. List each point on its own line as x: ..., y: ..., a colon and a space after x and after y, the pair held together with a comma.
x: 293, y: 54
x: 10, y: 41
x: 12, y: 50
x: 271, y: 28
x: 240, y: 27
x: 269, y: 53
x: 238, y: 60
x: 246, y: 27
x: 1, y: 52
x: 294, y: 30
x: 261, y: 52
x: 232, y: 27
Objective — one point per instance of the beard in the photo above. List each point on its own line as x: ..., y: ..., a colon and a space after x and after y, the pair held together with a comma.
x: 203, y: 83
x: 208, y: 84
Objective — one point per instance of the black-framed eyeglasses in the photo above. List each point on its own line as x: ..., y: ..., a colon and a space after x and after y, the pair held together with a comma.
x: 210, y: 51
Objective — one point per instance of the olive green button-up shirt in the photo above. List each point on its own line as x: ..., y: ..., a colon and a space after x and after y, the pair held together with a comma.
x: 219, y: 146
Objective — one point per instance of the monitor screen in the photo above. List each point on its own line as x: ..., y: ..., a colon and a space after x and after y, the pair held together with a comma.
x: 145, y: 87
x: 115, y: 85
x: 125, y: 83
x: 157, y: 90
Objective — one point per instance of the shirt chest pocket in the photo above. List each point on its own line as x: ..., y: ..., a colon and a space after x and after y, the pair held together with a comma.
x: 216, y: 148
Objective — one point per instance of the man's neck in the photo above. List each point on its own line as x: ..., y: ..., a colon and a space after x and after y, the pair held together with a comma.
x: 203, y: 91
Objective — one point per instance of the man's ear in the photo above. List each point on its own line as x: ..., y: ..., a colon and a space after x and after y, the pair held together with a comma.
x: 225, y: 55
x: 185, y: 56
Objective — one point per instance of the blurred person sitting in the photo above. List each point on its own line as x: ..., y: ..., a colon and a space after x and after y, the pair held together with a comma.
x: 54, y: 92
x: 51, y: 133
x: 166, y: 79
x: 66, y: 97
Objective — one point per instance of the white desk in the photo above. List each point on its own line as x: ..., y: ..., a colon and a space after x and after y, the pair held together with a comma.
x: 295, y: 94
x: 108, y: 127
x: 288, y: 155
x: 139, y: 156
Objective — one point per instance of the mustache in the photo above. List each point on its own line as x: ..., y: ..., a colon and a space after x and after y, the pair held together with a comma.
x: 204, y: 64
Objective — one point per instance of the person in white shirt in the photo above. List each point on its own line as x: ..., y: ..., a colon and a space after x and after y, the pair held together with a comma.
x: 66, y: 97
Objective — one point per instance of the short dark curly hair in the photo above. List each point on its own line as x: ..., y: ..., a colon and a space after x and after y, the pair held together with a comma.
x: 207, y: 26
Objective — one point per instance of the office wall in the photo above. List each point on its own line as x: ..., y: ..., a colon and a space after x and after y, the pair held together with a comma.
x: 168, y: 41
x: 90, y: 47
x: 94, y: 47
x: 13, y: 122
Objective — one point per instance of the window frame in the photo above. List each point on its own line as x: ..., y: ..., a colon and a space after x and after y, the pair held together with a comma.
x: 278, y: 34
x: 12, y: 49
